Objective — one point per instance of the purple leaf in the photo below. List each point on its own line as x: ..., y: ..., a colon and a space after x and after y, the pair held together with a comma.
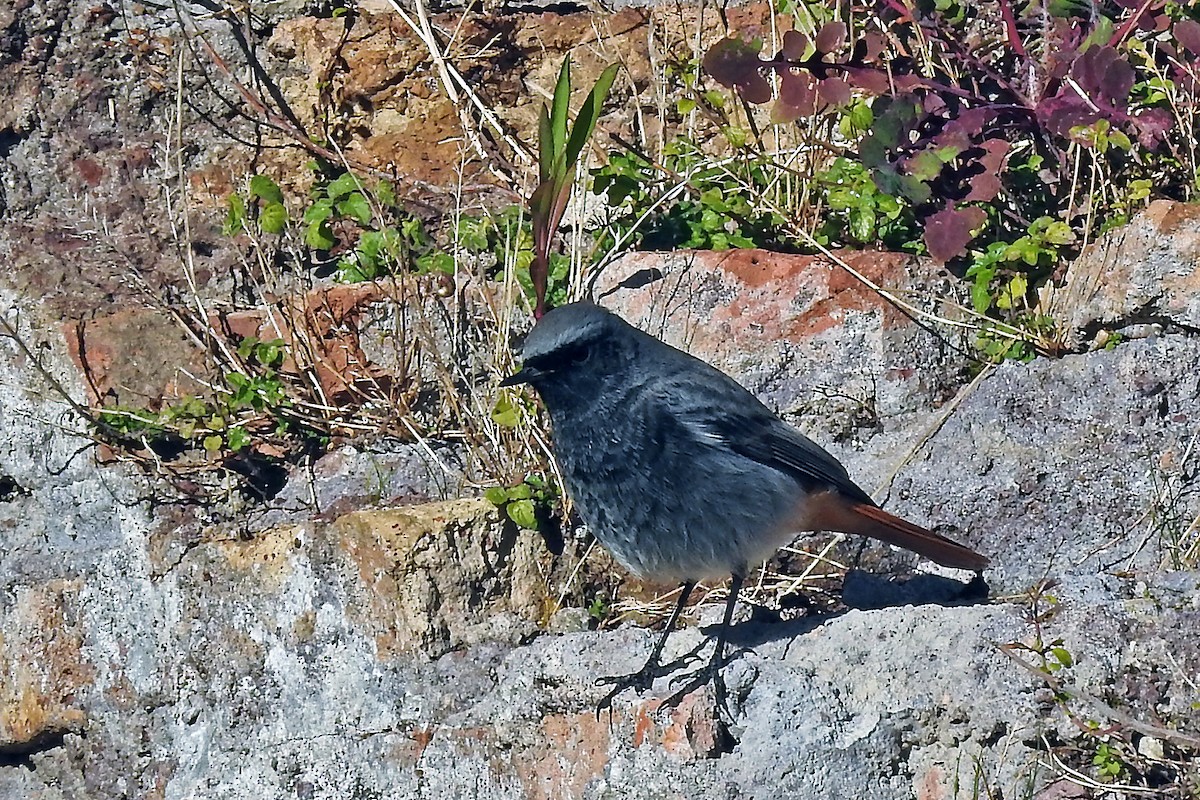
x: 1187, y: 33
x: 830, y: 37
x: 795, y: 45
x: 834, y: 91
x: 1152, y: 125
x: 797, y: 90
x: 986, y: 185
x: 869, y: 79
x: 1064, y: 111
x: 735, y: 63
x: 971, y: 122
x: 1104, y: 75
x: 874, y: 43
x: 782, y: 113
x: 948, y: 232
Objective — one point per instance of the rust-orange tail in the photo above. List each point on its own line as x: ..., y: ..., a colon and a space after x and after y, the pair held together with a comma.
x: 833, y: 512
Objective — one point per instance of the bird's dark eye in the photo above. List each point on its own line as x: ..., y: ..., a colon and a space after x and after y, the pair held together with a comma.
x: 578, y: 356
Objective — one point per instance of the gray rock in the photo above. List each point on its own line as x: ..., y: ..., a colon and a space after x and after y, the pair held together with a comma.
x: 1068, y: 467
x: 1141, y: 274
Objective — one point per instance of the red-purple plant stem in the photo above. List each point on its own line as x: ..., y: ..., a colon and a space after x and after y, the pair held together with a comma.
x: 899, y: 8
x: 967, y: 56
x: 1124, y: 30
x: 1010, y: 25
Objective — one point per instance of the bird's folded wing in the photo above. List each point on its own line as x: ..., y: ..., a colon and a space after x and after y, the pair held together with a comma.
x: 722, y: 412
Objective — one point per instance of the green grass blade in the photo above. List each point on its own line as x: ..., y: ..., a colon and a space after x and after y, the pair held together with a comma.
x: 589, y: 114
x: 561, y: 103
x: 545, y: 146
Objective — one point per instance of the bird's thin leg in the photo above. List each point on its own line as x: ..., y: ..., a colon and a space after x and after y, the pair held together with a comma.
x: 685, y: 591
x: 718, y: 658
x: 644, y: 677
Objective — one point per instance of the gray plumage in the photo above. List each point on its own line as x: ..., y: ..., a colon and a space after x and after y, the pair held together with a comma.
x: 677, y: 469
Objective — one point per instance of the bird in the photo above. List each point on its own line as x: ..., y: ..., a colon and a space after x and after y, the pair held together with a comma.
x: 682, y: 473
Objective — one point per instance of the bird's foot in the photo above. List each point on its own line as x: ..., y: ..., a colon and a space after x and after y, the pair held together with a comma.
x: 642, y: 680
x: 689, y: 682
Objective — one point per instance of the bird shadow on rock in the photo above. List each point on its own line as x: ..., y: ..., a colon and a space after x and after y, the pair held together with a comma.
x: 864, y: 591
x: 867, y: 591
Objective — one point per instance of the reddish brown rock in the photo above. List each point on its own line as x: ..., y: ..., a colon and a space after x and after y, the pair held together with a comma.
x: 135, y: 357
x: 719, y: 303
x: 426, y: 574
x: 43, y: 673
x: 691, y: 730
x: 575, y: 753
x: 804, y: 333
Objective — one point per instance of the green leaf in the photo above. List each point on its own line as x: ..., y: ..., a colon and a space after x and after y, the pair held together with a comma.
x: 440, y: 261
x: 589, y: 114
x: 558, y: 113
x: 505, y: 412
x: 862, y: 224
x: 265, y: 189
x: 385, y: 193
x: 342, y: 186
x: 496, y: 495
x: 522, y: 491
x: 1018, y: 287
x: 925, y: 165
x: 523, y: 513
x: 319, y: 211
x: 246, y: 346
x: 213, y: 443
x: 545, y: 146
x: 473, y: 234
x: 318, y: 236
x: 356, y: 206
x: 273, y: 218
x: 238, y: 438
x: 235, y: 216
x: 861, y: 116
x: 981, y: 292
x: 351, y: 271
x: 1059, y: 233
x: 269, y: 354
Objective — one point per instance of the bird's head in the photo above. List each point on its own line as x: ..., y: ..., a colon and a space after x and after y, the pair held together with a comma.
x: 574, y: 348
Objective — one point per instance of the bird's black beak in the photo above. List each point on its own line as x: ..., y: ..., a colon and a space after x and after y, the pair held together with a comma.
x: 518, y: 377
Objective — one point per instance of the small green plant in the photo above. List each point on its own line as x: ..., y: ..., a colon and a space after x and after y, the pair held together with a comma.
x: 717, y: 209
x: 1108, y: 763
x: 221, y: 422
x: 527, y: 503
x: 598, y: 610
x: 367, y: 228
x: 1002, y: 277
x: 558, y: 155
x: 506, y: 238
x: 858, y: 213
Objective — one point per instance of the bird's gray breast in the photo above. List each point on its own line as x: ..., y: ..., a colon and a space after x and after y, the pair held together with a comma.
x: 668, y: 499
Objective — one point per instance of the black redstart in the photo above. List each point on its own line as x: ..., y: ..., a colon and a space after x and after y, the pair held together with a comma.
x: 681, y: 472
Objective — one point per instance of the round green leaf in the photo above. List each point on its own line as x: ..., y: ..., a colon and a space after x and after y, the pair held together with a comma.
x: 273, y: 218
x: 357, y: 207
x: 265, y: 189
x: 522, y: 512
